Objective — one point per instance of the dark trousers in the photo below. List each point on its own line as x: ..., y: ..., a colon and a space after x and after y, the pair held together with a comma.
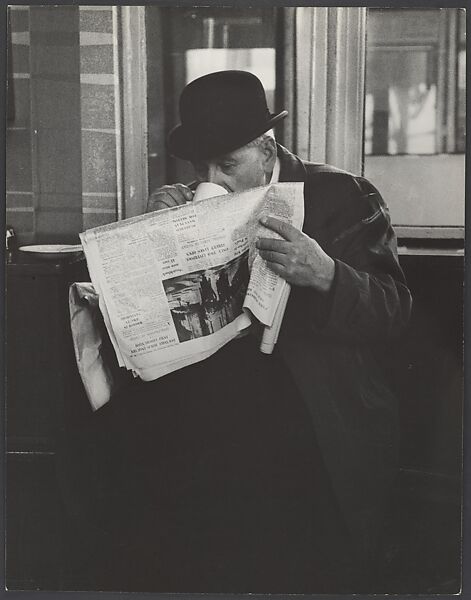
x: 210, y: 480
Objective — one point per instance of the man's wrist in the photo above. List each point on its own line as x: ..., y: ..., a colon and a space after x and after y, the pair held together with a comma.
x: 325, y: 280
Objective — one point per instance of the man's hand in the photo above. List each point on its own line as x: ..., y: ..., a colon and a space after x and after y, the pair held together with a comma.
x: 168, y: 196
x: 297, y: 258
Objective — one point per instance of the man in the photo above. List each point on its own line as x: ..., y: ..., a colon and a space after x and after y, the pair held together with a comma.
x: 270, y: 473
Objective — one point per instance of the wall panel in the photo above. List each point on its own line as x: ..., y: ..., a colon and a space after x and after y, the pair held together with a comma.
x: 99, y: 83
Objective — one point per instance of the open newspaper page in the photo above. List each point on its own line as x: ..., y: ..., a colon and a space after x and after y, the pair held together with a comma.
x: 176, y: 285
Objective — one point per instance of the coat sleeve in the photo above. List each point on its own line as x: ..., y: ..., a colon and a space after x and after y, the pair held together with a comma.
x: 369, y: 300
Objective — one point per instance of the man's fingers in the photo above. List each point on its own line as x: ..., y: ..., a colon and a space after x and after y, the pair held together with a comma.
x: 277, y: 268
x: 178, y: 195
x: 157, y: 205
x: 273, y: 257
x: 272, y: 244
x: 168, y: 196
x: 286, y: 230
x: 185, y: 190
x: 160, y: 201
x: 155, y: 202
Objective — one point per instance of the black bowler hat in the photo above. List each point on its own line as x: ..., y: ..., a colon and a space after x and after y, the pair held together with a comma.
x: 219, y: 113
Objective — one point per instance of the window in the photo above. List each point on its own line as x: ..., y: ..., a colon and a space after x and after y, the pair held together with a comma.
x: 415, y: 102
x: 193, y: 42
x: 414, y: 138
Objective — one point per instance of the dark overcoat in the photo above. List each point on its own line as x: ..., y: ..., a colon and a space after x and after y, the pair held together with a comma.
x: 332, y: 343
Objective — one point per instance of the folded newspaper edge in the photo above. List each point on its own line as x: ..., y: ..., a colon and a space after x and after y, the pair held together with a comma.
x: 100, y: 374
x: 176, y: 285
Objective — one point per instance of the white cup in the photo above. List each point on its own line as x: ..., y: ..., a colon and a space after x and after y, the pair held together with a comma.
x: 207, y: 189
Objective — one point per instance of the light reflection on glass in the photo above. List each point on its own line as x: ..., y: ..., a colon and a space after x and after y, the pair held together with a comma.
x: 400, y: 109
x: 415, y: 81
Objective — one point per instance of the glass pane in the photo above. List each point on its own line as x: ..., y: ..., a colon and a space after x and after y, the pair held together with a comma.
x: 461, y: 85
x: 415, y: 113
x: 400, y: 111
x: 401, y: 82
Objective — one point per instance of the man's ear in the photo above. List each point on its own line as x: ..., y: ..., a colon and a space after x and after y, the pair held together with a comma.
x: 269, y: 152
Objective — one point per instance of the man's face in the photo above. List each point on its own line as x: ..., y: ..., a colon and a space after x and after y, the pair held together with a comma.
x: 244, y: 168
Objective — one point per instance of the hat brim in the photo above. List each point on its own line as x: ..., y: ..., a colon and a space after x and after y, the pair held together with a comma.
x: 188, y: 146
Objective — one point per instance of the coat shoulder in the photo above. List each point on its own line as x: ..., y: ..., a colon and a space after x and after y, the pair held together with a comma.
x: 337, y: 179
x: 333, y: 190
x: 330, y: 192
x: 336, y: 200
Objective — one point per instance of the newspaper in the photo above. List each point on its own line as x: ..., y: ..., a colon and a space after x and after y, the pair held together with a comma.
x: 175, y: 285
x: 96, y: 362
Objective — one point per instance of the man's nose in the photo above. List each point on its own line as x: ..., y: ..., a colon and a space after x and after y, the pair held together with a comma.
x: 214, y: 174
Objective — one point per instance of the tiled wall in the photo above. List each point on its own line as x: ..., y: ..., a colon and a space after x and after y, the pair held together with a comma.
x: 98, y: 89
x: 61, y: 144
x: 55, y: 121
x: 19, y: 196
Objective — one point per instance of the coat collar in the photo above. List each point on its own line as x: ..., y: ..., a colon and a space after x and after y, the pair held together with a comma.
x: 291, y: 167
